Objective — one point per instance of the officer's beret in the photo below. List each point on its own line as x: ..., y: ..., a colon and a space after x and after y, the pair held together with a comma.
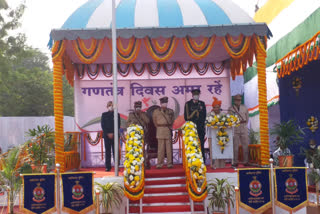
x: 138, y: 104
x: 164, y: 100
x: 195, y: 91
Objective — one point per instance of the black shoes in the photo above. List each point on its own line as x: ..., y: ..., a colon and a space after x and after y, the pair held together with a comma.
x: 108, y: 169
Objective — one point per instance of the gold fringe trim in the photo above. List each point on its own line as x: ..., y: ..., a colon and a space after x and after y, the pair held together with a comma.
x: 84, y: 211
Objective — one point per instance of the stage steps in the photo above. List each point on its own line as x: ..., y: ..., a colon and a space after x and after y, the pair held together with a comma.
x: 165, y: 192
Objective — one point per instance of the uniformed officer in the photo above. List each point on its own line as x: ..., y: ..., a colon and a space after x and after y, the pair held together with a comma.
x: 138, y: 117
x: 107, y: 125
x: 163, y: 119
x: 195, y: 111
x: 241, y: 133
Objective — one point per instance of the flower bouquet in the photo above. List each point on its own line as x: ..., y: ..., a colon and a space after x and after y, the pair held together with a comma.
x: 222, y: 121
x: 222, y: 139
x: 312, y: 123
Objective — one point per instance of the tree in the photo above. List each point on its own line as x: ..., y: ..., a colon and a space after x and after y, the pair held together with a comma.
x: 26, y: 80
x: 3, y: 4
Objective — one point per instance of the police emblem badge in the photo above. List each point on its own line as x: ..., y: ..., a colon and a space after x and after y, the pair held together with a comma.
x: 291, y: 185
x: 77, y: 191
x: 255, y: 187
x: 38, y: 194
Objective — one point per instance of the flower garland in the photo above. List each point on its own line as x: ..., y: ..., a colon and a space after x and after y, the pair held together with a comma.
x: 300, y: 56
x: 96, y: 140
x: 193, y: 163
x: 134, y: 163
x: 312, y: 123
x: 222, y: 121
x: 153, y: 69
x: 222, y: 139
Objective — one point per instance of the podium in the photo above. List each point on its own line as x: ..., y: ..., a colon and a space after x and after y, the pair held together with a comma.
x: 215, y: 149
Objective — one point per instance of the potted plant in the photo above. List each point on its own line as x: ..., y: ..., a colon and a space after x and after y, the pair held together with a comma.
x: 112, y: 194
x: 254, y: 137
x: 41, y: 147
x: 287, y: 133
x: 221, y: 194
x: 12, y: 164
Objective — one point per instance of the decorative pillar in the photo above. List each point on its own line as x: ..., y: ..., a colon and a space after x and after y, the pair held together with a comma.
x: 263, y: 105
x: 57, y: 53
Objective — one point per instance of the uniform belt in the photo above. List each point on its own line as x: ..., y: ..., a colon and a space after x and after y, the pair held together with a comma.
x: 163, y: 126
x: 243, y: 122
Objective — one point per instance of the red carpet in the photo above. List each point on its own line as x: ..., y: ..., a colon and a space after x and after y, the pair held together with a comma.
x: 165, y: 191
x: 153, y: 172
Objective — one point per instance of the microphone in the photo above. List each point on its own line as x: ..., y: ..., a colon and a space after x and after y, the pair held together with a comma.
x: 226, y: 110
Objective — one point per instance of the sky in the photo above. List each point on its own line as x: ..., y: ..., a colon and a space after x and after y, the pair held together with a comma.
x: 43, y: 15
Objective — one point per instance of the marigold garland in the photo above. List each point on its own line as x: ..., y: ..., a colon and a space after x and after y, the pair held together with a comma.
x: 158, y: 53
x: 87, y: 56
x: 299, y: 57
x: 69, y: 69
x: 57, y: 54
x: 195, y: 169
x: 127, y: 55
x: 198, y: 51
x: 134, y: 163
x: 96, y: 140
x: 241, y: 52
x: 262, y: 90
x: 139, y: 69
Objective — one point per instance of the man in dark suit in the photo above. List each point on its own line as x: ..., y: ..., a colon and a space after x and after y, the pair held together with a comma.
x: 195, y: 111
x: 107, y: 125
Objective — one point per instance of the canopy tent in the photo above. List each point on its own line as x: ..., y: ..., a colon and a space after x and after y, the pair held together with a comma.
x: 166, y: 31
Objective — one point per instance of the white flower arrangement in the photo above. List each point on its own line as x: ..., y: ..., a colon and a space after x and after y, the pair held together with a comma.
x: 193, y: 150
x: 222, y: 120
x: 222, y: 139
x: 134, y: 156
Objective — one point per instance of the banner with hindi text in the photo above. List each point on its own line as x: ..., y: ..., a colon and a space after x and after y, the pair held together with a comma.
x: 91, y: 97
x: 291, y: 188
x: 39, y: 193
x: 77, y: 192
x: 255, y: 189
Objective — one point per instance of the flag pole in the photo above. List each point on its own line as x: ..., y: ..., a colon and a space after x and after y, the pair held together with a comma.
x: 115, y: 90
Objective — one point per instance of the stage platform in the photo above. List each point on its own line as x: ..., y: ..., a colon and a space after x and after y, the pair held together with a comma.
x: 228, y: 172
x: 100, y: 171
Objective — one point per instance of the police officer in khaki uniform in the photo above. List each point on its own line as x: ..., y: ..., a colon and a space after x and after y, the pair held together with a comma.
x: 138, y: 117
x: 163, y: 119
x: 241, y: 133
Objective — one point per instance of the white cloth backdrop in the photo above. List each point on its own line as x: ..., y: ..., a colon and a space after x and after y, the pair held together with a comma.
x: 13, y: 129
